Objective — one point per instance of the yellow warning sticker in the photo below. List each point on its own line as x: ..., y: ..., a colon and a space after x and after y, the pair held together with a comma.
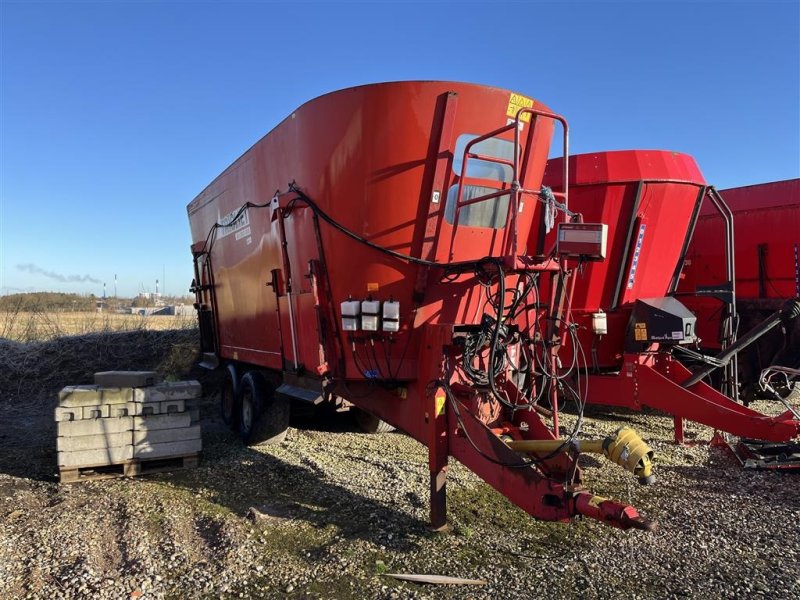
x: 640, y: 332
x: 515, y: 102
x: 440, y: 400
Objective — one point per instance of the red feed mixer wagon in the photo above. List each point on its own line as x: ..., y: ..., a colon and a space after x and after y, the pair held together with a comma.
x: 767, y: 257
x: 629, y: 328
x: 369, y: 252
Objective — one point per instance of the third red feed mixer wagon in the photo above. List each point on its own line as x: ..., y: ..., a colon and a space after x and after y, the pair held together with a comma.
x: 635, y: 333
x: 767, y: 253
x: 370, y: 252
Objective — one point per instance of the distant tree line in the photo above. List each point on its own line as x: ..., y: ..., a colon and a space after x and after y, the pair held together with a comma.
x: 48, y: 301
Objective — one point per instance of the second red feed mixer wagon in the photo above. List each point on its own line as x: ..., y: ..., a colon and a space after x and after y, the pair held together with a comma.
x: 369, y: 252
x: 632, y: 334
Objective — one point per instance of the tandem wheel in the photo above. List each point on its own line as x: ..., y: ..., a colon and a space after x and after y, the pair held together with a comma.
x: 264, y: 415
x: 229, y: 402
x: 369, y: 423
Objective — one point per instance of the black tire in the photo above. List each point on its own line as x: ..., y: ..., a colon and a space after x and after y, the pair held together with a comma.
x: 369, y: 423
x: 230, y: 406
x: 264, y: 414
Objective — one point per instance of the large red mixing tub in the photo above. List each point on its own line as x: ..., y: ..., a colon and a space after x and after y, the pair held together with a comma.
x: 648, y: 199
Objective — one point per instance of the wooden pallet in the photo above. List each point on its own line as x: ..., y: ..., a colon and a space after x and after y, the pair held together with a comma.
x: 129, y: 468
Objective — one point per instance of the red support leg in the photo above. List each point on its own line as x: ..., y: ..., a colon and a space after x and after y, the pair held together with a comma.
x: 437, y: 458
x: 678, y: 429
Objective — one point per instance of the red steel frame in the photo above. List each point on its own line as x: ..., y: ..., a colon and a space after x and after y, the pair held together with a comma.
x: 295, y: 333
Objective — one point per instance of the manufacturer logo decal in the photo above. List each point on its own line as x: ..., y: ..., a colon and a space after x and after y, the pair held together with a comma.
x: 636, y: 253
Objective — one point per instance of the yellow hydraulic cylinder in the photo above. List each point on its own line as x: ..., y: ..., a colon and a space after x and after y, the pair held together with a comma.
x: 624, y: 448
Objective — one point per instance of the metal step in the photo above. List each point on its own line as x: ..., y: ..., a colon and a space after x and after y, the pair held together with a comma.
x: 210, y: 361
x: 757, y: 454
x: 294, y: 392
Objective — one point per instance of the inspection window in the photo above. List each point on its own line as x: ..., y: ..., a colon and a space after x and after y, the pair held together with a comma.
x: 493, y: 211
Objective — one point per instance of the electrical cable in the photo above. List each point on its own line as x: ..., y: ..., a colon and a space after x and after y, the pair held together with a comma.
x: 523, y: 464
x: 359, y: 365
x: 351, y: 234
x: 375, y: 358
x: 493, y: 346
x: 208, y: 244
x: 211, y: 236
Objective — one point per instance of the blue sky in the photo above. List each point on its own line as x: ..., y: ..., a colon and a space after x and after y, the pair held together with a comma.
x: 116, y: 114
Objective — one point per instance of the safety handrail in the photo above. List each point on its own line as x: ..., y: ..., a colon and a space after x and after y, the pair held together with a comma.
x: 516, y: 185
x: 732, y: 374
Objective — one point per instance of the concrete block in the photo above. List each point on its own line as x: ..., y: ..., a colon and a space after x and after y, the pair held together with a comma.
x: 77, y: 413
x: 178, y: 390
x: 95, y: 458
x: 149, y: 408
x: 134, y: 409
x: 96, y: 412
x: 94, y: 426
x: 92, y: 395
x: 127, y: 379
x: 68, y: 414
x: 94, y: 442
x: 144, y: 408
x: 172, y: 406
x: 147, y: 450
x: 153, y: 422
x: 162, y: 436
x: 194, y: 414
x: 121, y: 410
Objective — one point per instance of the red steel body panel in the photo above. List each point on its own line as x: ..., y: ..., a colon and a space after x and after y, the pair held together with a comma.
x: 647, y: 192
x: 766, y: 215
x: 347, y: 152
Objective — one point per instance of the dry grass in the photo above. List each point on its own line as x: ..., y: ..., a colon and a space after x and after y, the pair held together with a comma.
x: 21, y: 326
x: 40, y: 352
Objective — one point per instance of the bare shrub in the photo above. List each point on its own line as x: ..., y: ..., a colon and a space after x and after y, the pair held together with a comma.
x: 39, y: 325
x: 37, y: 369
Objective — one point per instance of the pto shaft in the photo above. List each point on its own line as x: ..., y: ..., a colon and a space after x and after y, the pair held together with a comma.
x: 624, y: 448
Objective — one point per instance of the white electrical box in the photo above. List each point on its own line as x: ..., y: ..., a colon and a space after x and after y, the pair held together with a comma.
x: 370, y: 315
x: 582, y: 240
x: 351, y: 311
x: 599, y: 323
x: 391, y: 316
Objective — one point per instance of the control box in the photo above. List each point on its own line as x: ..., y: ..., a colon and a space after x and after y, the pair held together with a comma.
x: 586, y: 241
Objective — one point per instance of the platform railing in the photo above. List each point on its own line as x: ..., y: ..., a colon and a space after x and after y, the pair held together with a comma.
x: 518, y: 165
x: 731, y: 387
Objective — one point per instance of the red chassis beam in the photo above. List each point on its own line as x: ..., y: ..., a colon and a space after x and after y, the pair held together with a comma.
x: 546, y: 498
x: 549, y: 491
x: 655, y: 380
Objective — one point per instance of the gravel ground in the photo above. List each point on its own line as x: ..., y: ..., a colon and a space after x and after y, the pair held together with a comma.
x: 338, y: 510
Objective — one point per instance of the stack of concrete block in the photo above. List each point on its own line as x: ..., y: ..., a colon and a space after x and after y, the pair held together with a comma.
x: 127, y: 418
